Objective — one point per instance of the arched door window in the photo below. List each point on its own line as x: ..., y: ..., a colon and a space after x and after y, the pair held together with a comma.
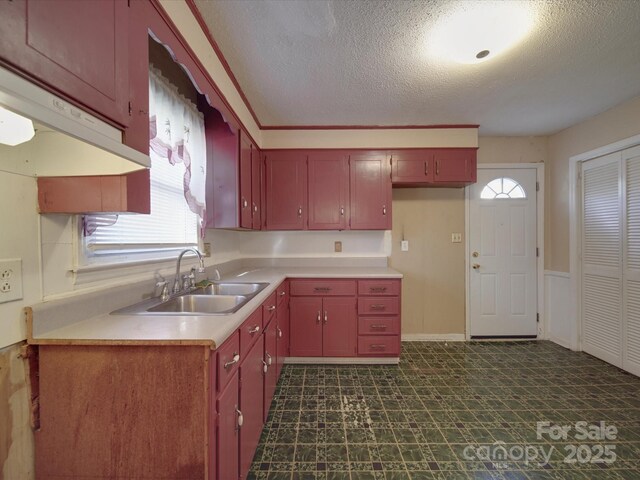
x: 502, y: 188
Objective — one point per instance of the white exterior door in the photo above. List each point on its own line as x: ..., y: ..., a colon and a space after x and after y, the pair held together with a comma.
x: 502, y: 239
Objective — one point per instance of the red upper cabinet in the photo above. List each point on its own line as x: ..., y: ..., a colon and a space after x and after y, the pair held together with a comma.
x: 412, y: 167
x: 256, y: 189
x: 245, y: 183
x: 328, y: 174
x: 79, y: 49
x: 455, y: 166
x: 370, y: 192
x: 286, y: 190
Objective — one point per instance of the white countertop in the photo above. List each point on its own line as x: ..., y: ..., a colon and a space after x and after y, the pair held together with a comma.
x: 211, y: 330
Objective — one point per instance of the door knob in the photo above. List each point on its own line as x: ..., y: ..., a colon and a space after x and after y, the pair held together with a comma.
x: 476, y: 266
x: 475, y: 254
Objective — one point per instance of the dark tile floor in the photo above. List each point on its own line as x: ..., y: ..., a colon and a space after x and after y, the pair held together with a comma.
x: 446, y: 410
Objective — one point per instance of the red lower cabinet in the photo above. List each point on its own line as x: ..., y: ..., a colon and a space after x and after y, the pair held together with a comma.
x: 306, y: 326
x: 282, y: 331
x: 229, y: 421
x: 270, y: 364
x: 251, y: 393
x: 339, y: 327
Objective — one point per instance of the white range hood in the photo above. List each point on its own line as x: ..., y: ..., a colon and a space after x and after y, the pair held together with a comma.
x: 68, y: 141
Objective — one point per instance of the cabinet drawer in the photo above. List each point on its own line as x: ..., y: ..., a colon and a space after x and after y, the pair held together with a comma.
x: 250, y: 331
x: 269, y: 309
x: 379, y: 346
x: 228, y: 359
x: 378, y: 305
x: 378, y: 325
x: 323, y: 288
x: 379, y: 287
x: 282, y: 292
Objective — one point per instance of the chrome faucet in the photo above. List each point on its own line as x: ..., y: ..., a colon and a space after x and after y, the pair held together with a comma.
x: 177, y: 284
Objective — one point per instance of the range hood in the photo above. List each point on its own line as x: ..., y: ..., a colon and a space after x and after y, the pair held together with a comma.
x: 67, y: 142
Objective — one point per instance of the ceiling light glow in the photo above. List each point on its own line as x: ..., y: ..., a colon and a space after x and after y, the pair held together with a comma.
x: 479, y: 31
x: 14, y: 129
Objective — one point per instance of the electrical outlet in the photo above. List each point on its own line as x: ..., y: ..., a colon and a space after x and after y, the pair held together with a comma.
x: 456, y: 238
x: 10, y: 280
x: 404, y: 245
x: 207, y: 249
x: 337, y: 246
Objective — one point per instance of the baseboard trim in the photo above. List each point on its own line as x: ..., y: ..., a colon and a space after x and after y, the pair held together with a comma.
x: 561, y: 342
x: 433, y: 337
x: 342, y: 361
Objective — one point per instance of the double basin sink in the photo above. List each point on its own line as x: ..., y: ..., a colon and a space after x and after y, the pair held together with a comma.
x: 220, y: 298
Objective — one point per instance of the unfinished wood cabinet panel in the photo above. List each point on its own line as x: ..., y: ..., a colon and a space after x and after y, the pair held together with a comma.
x: 130, y: 193
x: 123, y: 412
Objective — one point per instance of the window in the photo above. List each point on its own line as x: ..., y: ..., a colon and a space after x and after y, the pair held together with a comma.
x: 178, y: 173
x: 501, y: 188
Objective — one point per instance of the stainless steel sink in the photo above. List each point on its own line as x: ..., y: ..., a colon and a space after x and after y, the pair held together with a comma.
x: 228, y: 288
x: 200, y: 305
x: 220, y: 298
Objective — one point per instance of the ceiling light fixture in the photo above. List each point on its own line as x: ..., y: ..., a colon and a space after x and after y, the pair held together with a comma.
x: 14, y: 129
x: 478, y: 31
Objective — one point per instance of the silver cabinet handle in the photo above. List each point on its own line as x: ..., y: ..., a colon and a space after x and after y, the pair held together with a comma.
x: 299, y: 211
x: 437, y: 167
x: 271, y: 308
x: 236, y: 359
x: 378, y: 327
x: 255, y: 207
x: 279, y: 333
x: 269, y: 359
x: 377, y: 306
x: 378, y: 347
x: 322, y: 289
x: 377, y: 289
x: 326, y: 317
x: 384, y: 210
x: 426, y: 167
x: 318, y: 318
x: 245, y: 204
x: 265, y: 367
x: 342, y: 211
x: 240, y: 418
x: 255, y: 329
x: 282, y: 294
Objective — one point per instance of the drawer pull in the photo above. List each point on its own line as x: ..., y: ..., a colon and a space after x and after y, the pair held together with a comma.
x: 271, y: 308
x: 378, y: 327
x: 283, y: 293
x: 236, y: 359
x: 240, y: 418
x: 378, y: 306
x: 326, y: 317
x: 318, y: 317
x: 279, y: 333
x: 378, y: 346
x: 322, y: 289
x: 265, y: 367
x: 255, y: 329
x: 269, y: 359
x: 377, y: 289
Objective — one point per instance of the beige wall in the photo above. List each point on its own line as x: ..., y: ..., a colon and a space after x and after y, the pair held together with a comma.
x: 433, y: 293
x: 620, y: 122
x: 512, y: 149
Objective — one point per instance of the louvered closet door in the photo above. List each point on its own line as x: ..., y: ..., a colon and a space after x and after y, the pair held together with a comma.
x: 631, y: 314
x: 602, y: 259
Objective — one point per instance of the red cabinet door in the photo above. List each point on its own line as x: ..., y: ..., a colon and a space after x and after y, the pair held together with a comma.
x: 455, y: 166
x: 370, y: 191
x: 282, y: 333
x: 256, y: 189
x: 228, y: 431
x: 245, y: 183
x: 305, y: 326
x: 251, y: 404
x: 286, y: 190
x: 412, y: 167
x: 271, y: 363
x: 80, y: 49
x: 339, y: 333
x: 328, y: 175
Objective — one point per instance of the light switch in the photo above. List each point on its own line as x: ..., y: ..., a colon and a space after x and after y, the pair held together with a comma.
x: 404, y: 245
x: 456, y: 238
x: 337, y: 246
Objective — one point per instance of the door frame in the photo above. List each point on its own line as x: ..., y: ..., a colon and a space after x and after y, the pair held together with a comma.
x: 539, y: 167
x: 575, y: 226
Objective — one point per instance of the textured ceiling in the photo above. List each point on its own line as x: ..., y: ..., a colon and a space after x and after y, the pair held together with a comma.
x: 365, y: 62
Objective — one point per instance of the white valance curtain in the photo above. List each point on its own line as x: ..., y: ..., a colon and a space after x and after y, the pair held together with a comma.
x: 177, y: 148
x: 176, y: 132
